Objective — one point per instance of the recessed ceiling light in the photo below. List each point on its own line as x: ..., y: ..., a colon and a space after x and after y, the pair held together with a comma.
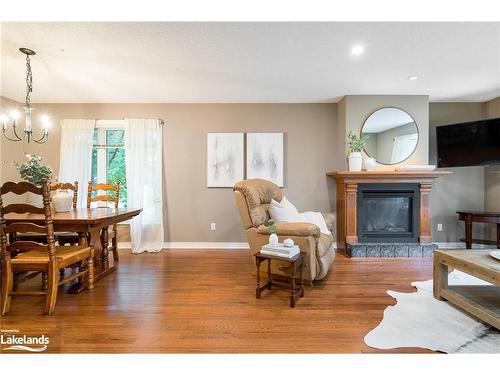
x: 357, y: 50
x: 413, y: 78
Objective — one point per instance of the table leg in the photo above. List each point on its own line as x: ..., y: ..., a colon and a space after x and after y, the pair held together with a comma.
x: 468, y: 232
x: 302, y: 279
x: 498, y: 236
x: 105, y: 244
x: 293, y: 296
x: 257, y: 288
x: 102, y: 268
x: 82, y: 239
x: 269, y: 278
x: 440, y: 276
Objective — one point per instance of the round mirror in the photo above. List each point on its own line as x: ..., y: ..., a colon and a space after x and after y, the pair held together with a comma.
x: 392, y: 135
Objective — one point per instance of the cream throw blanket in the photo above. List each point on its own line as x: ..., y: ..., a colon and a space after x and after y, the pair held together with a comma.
x: 286, y: 212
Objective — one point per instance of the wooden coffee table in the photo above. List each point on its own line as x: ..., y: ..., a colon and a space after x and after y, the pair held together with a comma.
x: 482, y: 301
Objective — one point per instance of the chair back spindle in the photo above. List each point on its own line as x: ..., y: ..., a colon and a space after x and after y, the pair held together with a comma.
x: 113, y: 198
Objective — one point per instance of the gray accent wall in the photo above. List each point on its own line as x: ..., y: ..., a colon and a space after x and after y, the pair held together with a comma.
x: 462, y: 190
x: 492, y: 174
x: 357, y: 108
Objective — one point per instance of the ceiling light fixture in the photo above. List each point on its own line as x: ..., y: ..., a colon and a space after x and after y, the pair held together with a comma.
x: 413, y: 78
x: 14, y: 115
x: 357, y: 50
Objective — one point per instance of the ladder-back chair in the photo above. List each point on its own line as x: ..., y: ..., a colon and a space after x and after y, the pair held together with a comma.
x: 111, y: 196
x: 30, y: 256
x: 61, y: 237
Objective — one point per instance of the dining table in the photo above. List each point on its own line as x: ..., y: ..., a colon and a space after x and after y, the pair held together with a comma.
x: 88, y: 224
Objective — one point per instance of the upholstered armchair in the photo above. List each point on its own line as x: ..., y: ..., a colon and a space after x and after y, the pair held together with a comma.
x: 253, y: 197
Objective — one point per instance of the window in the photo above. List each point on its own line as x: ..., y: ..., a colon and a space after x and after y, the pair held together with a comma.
x: 108, y: 156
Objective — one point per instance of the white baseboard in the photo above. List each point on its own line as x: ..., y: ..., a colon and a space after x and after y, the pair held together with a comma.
x: 200, y: 245
x: 196, y: 245
x: 244, y: 245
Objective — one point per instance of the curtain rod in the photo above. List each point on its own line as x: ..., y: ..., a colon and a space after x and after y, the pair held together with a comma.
x: 162, y: 122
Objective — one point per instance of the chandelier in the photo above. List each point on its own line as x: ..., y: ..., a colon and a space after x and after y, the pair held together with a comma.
x: 14, y: 115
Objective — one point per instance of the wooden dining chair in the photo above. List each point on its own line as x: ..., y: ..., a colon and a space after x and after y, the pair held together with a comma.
x: 30, y: 256
x: 61, y: 237
x: 64, y: 238
x: 111, y: 196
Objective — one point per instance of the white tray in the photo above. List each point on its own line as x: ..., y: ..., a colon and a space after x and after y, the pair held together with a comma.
x: 416, y: 167
x: 495, y: 254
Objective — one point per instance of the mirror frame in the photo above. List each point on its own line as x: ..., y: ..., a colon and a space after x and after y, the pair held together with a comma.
x: 416, y: 125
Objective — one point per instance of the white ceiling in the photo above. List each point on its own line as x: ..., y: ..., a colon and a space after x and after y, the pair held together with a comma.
x: 250, y: 62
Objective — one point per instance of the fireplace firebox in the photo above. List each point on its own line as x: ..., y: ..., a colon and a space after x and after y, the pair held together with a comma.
x: 388, y: 212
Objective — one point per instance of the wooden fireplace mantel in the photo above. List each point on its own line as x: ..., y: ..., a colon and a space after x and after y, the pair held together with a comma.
x: 347, y: 191
x: 387, y: 176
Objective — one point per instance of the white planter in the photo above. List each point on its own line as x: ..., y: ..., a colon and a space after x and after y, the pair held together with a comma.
x: 355, y: 161
x: 62, y: 200
x: 370, y: 164
x: 273, y: 239
x: 34, y: 199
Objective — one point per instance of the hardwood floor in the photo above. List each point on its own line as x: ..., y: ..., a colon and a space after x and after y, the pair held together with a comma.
x: 203, y: 301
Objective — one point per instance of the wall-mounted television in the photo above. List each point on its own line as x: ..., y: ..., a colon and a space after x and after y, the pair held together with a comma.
x: 468, y: 144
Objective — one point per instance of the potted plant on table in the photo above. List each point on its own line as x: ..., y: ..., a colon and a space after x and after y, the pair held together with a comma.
x: 271, y: 229
x: 355, y: 144
x: 34, y: 172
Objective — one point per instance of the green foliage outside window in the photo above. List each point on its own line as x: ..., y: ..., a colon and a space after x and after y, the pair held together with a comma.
x: 115, y: 162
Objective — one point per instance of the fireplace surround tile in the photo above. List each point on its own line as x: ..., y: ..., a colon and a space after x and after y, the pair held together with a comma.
x: 358, y: 252
x: 401, y: 251
x: 373, y: 251
x: 415, y: 251
x: 390, y: 250
x: 427, y: 251
x: 387, y: 251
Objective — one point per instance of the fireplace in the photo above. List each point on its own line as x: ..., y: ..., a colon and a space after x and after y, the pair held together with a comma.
x: 388, y: 212
x: 385, y: 213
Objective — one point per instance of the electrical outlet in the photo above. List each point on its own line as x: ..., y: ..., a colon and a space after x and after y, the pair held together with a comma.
x: 213, y: 226
x: 440, y: 227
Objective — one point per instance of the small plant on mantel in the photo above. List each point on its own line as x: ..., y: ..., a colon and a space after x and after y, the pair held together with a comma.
x: 355, y: 145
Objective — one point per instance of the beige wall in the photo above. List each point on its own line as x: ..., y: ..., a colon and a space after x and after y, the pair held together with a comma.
x: 340, y: 145
x: 493, y: 108
x: 464, y: 189
x: 492, y: 173
x: 190, y: 207
x: 314, y: 144
x: 9, y: 151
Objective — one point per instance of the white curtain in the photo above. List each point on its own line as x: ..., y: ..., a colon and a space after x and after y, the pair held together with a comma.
x: 143, y: 157
x: 403, y: 147
x: 76, y: 155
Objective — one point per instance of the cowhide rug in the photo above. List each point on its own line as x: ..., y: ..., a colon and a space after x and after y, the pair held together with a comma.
x: 419, y: 320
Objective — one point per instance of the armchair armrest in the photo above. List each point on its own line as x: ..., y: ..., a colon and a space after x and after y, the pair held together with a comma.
x: 292, y: 229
